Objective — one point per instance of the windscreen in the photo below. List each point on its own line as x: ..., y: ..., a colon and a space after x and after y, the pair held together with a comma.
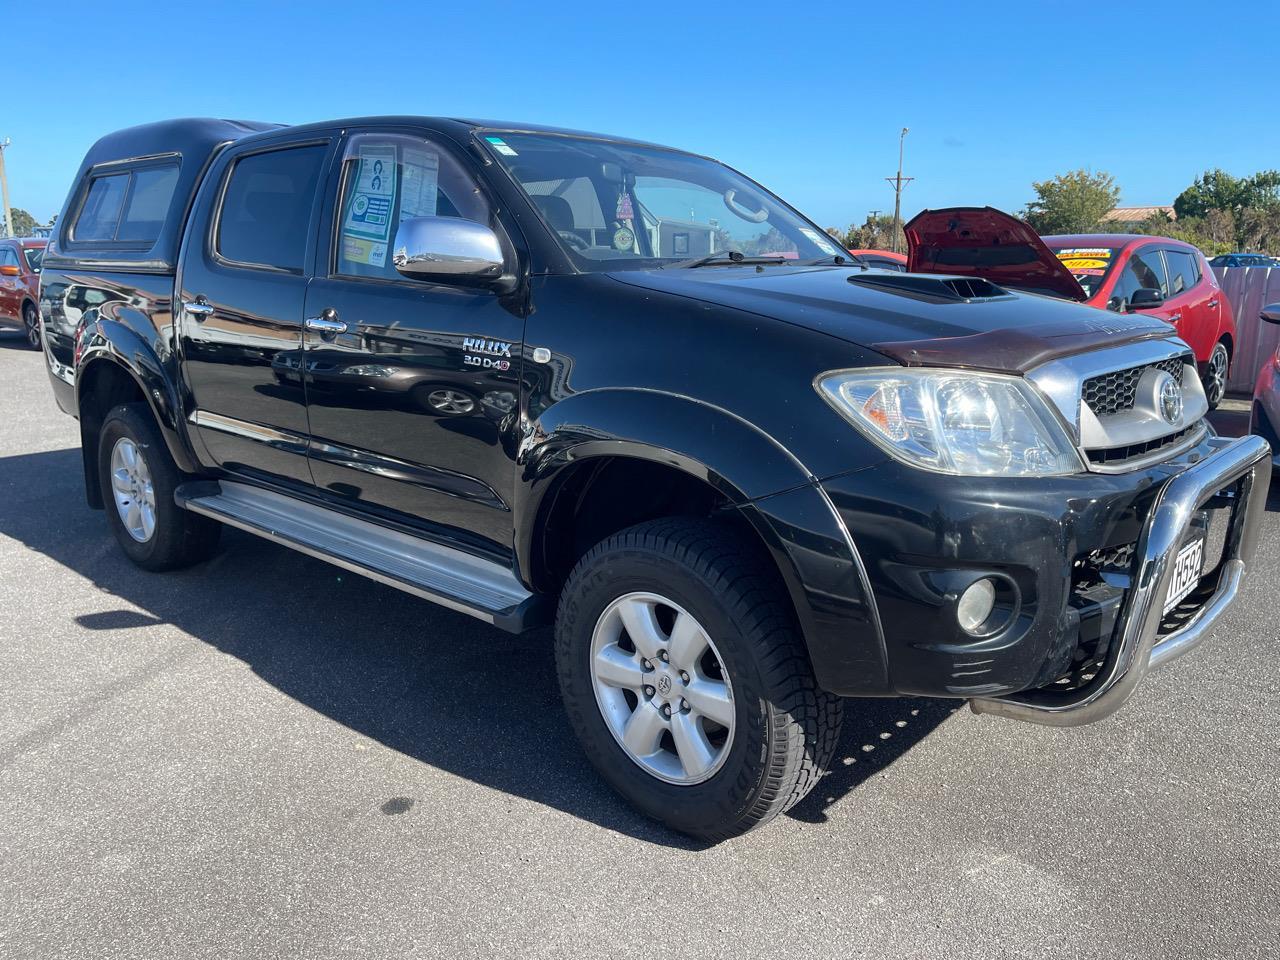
x: 1089, y: 265
x: 621, y: 206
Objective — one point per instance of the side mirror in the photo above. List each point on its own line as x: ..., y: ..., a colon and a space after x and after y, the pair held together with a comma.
x: 1144, y: 298
x: 447, y: 248
x: 1271, y: 313
x: 9, y: 270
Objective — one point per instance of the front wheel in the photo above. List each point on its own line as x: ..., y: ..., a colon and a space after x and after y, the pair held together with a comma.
x: 1215, y: 374
x: 686, y: 681
x: 31, y: 325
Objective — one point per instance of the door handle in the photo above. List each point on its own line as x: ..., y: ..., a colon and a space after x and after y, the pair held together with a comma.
x: 1175, y: 318
x: 1213, y: 303
x: 198, y: 308
x: 327, y: 324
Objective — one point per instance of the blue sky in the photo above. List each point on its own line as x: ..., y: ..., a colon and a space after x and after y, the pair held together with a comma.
x: 807, y: 98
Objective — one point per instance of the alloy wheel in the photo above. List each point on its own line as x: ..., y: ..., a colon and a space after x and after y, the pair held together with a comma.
x: 451, y: 402
x: 1215, y: 375
x: 662, y: 688
x: 31, y: 321
x: 132, y: 490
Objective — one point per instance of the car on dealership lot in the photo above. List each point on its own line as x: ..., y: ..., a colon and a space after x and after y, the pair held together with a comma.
x: 20, y: 285
x: 1265, y: 412
x: 1242, y: 260
x: 1157, y: 276
x: 742, y: 477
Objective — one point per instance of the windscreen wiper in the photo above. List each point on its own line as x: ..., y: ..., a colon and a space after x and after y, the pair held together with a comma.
x: 836, y: 260
x: 722, y: 259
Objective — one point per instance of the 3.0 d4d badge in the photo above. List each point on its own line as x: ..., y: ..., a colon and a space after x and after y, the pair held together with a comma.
x: 473, y: 346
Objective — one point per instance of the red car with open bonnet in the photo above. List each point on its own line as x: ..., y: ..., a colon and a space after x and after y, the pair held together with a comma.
x: 1158, y: 276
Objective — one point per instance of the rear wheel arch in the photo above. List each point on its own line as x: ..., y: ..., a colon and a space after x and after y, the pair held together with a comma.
x: 102, y: 383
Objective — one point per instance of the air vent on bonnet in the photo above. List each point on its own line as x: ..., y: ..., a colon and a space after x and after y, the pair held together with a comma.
x: 955, y: 289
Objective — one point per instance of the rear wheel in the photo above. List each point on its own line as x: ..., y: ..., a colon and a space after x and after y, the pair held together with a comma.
x: 1215, y: 374
x: 686, y: 681
x: 138, y: 478
x: 31, y: 325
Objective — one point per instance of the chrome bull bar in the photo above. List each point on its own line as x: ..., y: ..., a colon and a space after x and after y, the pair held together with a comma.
x: 1246, y: 460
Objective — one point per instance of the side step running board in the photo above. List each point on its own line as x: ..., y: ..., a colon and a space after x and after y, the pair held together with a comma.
x: 444, y: 575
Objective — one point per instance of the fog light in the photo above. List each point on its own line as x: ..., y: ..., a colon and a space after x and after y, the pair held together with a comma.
x: 975, y: 605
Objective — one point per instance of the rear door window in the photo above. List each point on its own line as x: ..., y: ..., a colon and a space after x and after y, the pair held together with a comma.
x: 7, y: 257
x: 1184, y: 271
x: 265, y: 216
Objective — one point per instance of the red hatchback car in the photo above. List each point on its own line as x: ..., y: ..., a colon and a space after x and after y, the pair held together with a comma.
x: 20, y: 286
x: 1123, y: 272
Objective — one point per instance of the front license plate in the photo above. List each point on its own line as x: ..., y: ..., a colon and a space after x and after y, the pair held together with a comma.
x: 1186, y: 573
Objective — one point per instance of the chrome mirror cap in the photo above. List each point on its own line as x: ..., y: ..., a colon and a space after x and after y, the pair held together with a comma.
x: 441, y: 248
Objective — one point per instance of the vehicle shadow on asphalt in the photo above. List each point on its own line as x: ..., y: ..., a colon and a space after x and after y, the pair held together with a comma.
x: 429, y: 683
x: 14, y: 340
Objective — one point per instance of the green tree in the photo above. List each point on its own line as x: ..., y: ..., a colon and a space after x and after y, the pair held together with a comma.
x: 23, y: 222
x: 875, y: 233
x: 1247, y: 209
x: 1072, y: 202
x: 1219, y: 190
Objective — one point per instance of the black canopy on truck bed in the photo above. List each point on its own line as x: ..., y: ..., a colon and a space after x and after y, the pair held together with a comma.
x: 185, y: 145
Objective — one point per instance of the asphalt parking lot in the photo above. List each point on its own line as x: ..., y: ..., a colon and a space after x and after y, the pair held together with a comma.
x: 265, y: 756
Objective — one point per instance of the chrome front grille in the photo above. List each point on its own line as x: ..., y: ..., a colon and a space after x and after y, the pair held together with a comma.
x: 1110, y: 393
x: 1110, y: 400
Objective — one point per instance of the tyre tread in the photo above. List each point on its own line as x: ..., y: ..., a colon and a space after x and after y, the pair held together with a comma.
x: 804, y: 720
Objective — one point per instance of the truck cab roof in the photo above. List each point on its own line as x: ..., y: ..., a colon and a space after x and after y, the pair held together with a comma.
x: 179, y: 152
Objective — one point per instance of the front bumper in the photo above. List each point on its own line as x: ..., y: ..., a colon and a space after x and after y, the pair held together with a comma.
x: 1244, y: 465
x: 1086, y: 561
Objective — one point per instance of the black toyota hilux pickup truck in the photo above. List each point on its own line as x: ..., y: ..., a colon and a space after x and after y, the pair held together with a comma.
x: 544, y: 377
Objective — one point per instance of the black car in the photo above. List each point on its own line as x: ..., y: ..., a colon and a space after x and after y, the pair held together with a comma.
x: 546, y: 377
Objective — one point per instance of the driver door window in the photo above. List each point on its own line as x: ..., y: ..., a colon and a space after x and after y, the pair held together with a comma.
x: 389, y: 178
x: 1137, y: 274
x: 1148, y: 267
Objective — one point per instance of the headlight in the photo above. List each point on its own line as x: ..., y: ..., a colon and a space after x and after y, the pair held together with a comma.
x: 954, y: 421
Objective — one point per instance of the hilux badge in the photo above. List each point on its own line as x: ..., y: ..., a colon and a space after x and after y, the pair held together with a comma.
x: 474, y: 346
x: 1171, y: 399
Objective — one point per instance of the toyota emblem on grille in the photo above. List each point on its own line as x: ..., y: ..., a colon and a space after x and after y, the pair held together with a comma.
x: 1170, y: 399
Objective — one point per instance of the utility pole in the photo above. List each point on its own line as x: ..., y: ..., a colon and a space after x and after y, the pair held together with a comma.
x: 898, y: 183
x: 4, y: 190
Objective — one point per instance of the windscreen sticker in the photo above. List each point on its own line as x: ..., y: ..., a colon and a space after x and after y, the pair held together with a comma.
x: 1092, y: 253
x: 1084, y: 265
x: 501, y: 146
x: 420, y: 178
x: 359, y: 250
x: 366, y: 227
x: 824, y: 243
